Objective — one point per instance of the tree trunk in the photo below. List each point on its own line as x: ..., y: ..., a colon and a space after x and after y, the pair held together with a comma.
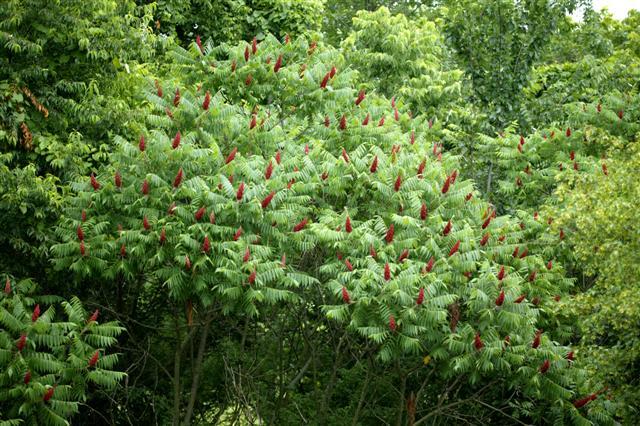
x: 197, y: 371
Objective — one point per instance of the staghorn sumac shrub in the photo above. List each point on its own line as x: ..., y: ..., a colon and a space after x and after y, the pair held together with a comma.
x: 278, y: 165
x: 52, y: 353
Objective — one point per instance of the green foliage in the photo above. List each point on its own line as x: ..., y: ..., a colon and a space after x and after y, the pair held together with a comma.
x: 57, y: 66
x: 599, y: 212
x: 498, y: 42
x: 403, y: 58
x: 322, y: 158
x: 47, y: 355
x: 222, y: 21
x: 28, y: 204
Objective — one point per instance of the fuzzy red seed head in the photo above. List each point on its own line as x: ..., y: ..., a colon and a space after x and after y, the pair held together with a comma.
x: 163, y: 236
x: 381, y: 122
x: 278, y: 157
x: 325, y: 80
x: 421, y: 168
x: 278, y: 64
x: 520, y: 298
x: 568, y: 133
x: 48, y: 394
x: 324, y: 175
x: 207, y: 101
x: 247, y: 255
x: 599, y: 108
x: 477, y: 342
x: 94, y: 358
x: 545, y: 366
x: 158, y: 88
x: 187, y: 262
x: 423, y: 211
x: 22, y: 341
x: 387, y: 272
x: 532, y: 276
x: 300, y: 226
x: 446, y: 229
x: 403, y: 256
x: 94, y: 182
x: 445, y: 186
x: 343, y: 122
x: 570, y: 356
x: 176, y: 98
x: 27, y: 377
x: 392, y: 323
x: 145, y: 223
x: 398, y: 183
x: 248, y: 80
x: 176, y: 140
x: 123, y: 250
x: 206, y: 245
x: 145, y: 187
x: 420, y: 298
x: 306, y: 149
x: 536, y: 340
x: 390, y: 232
x: 468, y: 196
x: 283, y: 260
x: 345, y: 156
x: 521, y: 140
x: 487, y: 221
x: 240, y: 191
x: 142, y: 145
x: 267, y: 200
x: 347, y: 225
x: 268, y: 171
x: 252, y: 277
x: 199, y: 44
x: 238, y: 234
x: 396, y: 114
x: 520, y: 149
x: 515, y: 252
x: 374, y: 165
x: 524, y: 253
x: 501, y: 274
x: 7, y: 286
x: 200, y: 213
x: 82, y: 248
x: 345, y: 296
x: 80, y: 233
x: 178, y: 178
x: 561, y: 234
x: 500, y: 298
x: 454, y: 249
x: 254, y: 45
x: 485, y: 239
x: 360, y: 98
x: 372, y: 252
x: 36, y: 314
x: 348, y: 265
x: 412, y: 137
x: 575, y: 166
x: 429, y: 266
x: 366, y: 120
